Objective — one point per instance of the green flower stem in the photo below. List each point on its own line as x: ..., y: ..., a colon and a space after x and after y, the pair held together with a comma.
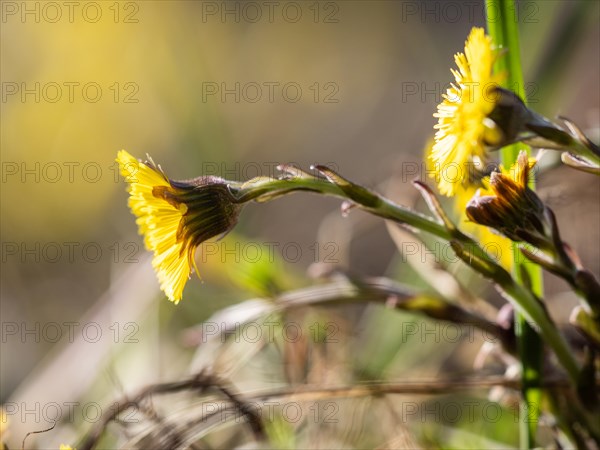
x: 556, y: 138
x: 261, y: 187
x: 265, y: 189
x: 503, y: 29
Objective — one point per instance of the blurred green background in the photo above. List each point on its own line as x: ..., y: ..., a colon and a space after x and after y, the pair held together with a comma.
x: 354, y: 85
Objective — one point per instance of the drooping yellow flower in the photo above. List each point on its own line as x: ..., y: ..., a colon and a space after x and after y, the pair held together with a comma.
x: 66, y: 447
x: 463, y: 128
x: 175, y: 217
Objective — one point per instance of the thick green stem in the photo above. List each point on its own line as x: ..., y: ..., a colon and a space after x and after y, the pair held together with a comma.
x: 503, y: 28
x: 267, y: 188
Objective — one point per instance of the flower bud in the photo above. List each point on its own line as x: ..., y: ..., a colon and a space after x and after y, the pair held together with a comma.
x: 511, y: 207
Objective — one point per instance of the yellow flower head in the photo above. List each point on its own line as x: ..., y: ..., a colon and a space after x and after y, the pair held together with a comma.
x: 175, y: 217
x: 463, y: 128
x: 66, y: 447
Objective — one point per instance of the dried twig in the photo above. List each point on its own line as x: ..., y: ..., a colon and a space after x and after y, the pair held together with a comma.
x: 246, y: 404
x: 200, y: 382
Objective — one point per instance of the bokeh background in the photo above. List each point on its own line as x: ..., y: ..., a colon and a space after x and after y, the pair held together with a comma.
x: 352, y: 84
